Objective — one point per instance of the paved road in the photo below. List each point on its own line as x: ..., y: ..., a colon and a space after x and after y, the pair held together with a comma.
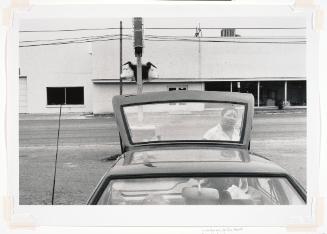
x: 86, y: 142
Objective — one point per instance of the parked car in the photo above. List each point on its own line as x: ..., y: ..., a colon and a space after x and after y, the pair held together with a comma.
x: 191, y: 147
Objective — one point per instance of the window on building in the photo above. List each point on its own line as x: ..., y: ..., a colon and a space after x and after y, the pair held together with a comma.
x: 228, y: 32
x: 217, y: 86
x: 272, y: 93
x: 250, y: 87
x: 65, y: 95
x: 297, y: 93
x: 177, y: 87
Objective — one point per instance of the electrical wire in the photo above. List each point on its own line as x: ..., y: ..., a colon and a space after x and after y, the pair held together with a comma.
x: 236, y: 42
x: 233, y: 41
x: 238, y: 38
x: 156, y: 36
x: 61, y: 41
x: 71, y: 38
x: 247, y: 28
x: 222, y: 39
x: 162, y: 28
x: 70, y: 42
x: 69, y: 30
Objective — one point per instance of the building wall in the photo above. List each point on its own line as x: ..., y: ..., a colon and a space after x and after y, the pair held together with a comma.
x: 56, y: 66
x: 79, y: 63
x: 104, y: 92
x: 218, y: 60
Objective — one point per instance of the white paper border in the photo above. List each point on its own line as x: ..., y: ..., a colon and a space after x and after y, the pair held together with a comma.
x: 164, y: 215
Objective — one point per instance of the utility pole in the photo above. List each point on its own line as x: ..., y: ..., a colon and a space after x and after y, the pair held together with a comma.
x: 121, y: 58
x: 138, y: 46
x: 139, y: 75
x: 285, y: 92
x: 198, y: 34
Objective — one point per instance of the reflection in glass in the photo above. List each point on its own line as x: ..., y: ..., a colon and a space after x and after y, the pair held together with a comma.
x: 186, y: 155
x: 201, y: 191
x: 185, y: 121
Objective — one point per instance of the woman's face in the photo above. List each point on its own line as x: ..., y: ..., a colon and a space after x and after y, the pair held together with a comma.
x: 229, y: 118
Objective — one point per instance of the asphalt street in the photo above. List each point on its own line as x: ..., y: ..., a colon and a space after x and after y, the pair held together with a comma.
x: 86, y: 143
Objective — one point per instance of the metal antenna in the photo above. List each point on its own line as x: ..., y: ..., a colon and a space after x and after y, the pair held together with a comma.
x: 55, y: 171
x: 121, y: 57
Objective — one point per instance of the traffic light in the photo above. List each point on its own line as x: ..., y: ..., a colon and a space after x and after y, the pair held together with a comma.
x: 138, y: 36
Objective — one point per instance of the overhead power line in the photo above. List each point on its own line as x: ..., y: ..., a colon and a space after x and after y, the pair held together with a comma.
x: 159, y: 28
x: 229, y: 41
x: 68, y: 30
x: 171, y: 40
x: 71, y: 38
x: 111, y: 37
x: 238, y: 38
x: 215, y: 28
x: 157, y: 36
x: 71, y: 42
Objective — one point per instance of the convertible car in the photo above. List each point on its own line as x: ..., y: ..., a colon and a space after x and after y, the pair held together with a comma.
x: 191, y: 148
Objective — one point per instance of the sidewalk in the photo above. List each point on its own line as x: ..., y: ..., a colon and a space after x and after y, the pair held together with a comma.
x: 261, y: 110
x: 55, y: 116
x: 275, y: 110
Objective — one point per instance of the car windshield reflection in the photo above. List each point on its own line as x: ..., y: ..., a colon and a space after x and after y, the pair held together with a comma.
x: 185, y: 121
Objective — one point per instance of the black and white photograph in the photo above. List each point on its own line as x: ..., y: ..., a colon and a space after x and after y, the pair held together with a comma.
x: 174, y: 111
x: 122, y: 109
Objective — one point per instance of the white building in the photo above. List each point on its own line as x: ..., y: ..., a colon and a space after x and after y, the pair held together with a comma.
x: 81, y: 68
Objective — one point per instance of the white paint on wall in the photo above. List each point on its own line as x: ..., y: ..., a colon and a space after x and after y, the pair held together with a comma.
x: 219, y: 60
x: 51, y: 66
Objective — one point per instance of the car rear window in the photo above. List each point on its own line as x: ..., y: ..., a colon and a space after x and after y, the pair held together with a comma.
x: 185, y: 121
x: 201, y: 191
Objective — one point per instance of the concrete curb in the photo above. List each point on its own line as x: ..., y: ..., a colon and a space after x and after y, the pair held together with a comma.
x: 68, y: 116
x: 55, y: 116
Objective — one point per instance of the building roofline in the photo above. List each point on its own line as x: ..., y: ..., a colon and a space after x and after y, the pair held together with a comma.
x: 199, y: 80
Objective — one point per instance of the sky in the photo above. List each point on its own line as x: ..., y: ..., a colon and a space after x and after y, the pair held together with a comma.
x: 99, y: 24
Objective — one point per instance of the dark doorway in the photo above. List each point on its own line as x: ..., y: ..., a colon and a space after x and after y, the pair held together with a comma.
x: 272, y: 92
x: 217, y: 86
x: 297, y: 93
x: 250, y: 87
x: 247, y: 87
